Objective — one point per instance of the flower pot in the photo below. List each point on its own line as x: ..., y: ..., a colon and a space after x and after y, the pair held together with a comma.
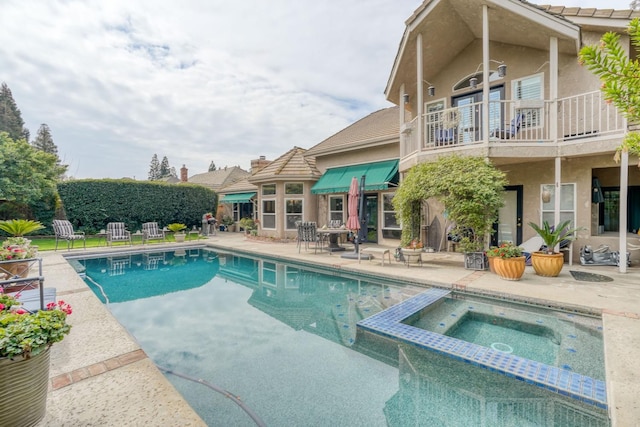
x: 509, y: 268
x: 547, y: 265
x: 23, y: 389
x: 491, y: 260
x: 13, y: 269
x: 179, y: 237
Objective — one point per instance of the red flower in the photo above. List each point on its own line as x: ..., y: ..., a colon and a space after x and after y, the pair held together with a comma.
x: 21, y: 311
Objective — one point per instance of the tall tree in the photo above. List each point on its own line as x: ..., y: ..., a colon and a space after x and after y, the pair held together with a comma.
x: 10, y: 116
x: 44, y: 140
x: 172, y: 172
x: 27, y: 175
x: 212, y: 166
x: 165, y: 170
x: 620, y: 78
x: 154, y: 168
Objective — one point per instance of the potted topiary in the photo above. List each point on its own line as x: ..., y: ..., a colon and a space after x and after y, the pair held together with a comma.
x: 25, y: 339
x: 177, y: 229
x: 471, y: 191
x: 548, y: 263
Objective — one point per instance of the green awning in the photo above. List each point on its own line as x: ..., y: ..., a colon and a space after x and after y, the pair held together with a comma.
x: 378, y: 175
x: 237, y: 198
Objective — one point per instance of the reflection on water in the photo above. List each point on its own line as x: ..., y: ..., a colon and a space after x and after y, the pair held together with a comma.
x: 284, y: 338
x: 432, y: 386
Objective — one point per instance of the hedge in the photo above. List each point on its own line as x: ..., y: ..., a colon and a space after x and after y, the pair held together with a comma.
x: 90, y: 203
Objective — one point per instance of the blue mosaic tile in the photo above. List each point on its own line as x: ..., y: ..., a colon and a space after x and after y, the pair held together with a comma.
x: 562, y: 381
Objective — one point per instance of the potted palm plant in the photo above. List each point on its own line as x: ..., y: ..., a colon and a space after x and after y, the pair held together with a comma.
x: 178, y: 231
x: 548, y: 263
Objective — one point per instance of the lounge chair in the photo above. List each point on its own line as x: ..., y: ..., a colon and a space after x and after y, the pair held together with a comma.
x: 510, y: 130
x: 116, y: 232
x: 151, y: 231
x: 534, y: 244
x: 64, y: 231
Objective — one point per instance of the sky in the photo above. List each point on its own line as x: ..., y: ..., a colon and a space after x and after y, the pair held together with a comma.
x: 198, y: 81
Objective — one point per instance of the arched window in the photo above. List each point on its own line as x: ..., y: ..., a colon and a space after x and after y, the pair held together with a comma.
x: 465, y: 83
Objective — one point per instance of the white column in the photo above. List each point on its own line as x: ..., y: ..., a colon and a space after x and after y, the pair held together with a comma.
x: 485, y: 73
x: 553, y: 127
x: 558, y: 192
x: 624, y: 189
x: 553, y: 88
x: 420, y: 92
x: 403, y: 114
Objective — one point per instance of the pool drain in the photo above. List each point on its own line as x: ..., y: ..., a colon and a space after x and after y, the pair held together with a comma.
x: 500, y: 346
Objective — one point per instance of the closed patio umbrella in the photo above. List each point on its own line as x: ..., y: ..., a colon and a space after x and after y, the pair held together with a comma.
x: 353, y: 220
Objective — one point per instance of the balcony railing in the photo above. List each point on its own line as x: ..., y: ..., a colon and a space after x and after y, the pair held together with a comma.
x: 522, y: 121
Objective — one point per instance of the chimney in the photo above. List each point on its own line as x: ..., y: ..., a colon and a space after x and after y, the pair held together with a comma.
x: 258, y: 164
x: 184, y: 174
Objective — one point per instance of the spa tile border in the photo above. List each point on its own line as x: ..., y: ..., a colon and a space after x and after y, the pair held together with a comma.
x: 388, y: 323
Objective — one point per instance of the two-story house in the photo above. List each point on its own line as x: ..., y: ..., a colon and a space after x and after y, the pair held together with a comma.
x: 501, y: 79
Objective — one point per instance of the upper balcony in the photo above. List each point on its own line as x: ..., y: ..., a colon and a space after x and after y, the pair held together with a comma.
x: 577, y: 125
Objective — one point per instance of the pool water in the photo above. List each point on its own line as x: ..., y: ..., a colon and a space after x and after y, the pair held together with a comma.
x: 283, y: 338
x: 523, y: 342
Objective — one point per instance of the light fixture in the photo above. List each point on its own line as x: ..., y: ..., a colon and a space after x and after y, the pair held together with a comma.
x: 545, y: 195
x: 431, y: 89
x: 502, y: 71
x: 405, y: 98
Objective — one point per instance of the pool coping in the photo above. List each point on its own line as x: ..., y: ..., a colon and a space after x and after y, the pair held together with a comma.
x: 388, y: 323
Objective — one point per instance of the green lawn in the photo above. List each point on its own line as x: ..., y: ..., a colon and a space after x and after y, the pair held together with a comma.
x: 47, y: 243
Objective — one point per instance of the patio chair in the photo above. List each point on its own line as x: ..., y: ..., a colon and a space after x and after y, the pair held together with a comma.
x: 151, y: 231
x: 446, y: 136
x: 510, y: 130
x: 64, y: 231
x: 308, y: 233
x: 534, y: 244
x: 116, y: 232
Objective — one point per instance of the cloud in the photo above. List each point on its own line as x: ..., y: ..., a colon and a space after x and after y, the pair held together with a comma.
x: 225, y: 81
x: 118, y: 81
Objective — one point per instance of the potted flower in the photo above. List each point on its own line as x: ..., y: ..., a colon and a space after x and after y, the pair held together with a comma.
x: 548, y: 263
x: 13, y: 255
x: 229, y: 223
x: 25, y: 339
x: 508, y: 261
x: 247, y: 224
x: 177, y: 229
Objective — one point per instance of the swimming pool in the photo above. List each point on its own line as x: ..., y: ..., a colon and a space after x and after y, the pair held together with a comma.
x: 283, y: 337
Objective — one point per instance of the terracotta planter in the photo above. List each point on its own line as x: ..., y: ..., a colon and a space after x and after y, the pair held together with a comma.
x: 509, y: 268
x: 491, y: 260
x: 23, y: 389
x: 547, y: 265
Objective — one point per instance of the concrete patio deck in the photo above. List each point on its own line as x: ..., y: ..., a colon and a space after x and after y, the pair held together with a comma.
x: 101, y: 377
